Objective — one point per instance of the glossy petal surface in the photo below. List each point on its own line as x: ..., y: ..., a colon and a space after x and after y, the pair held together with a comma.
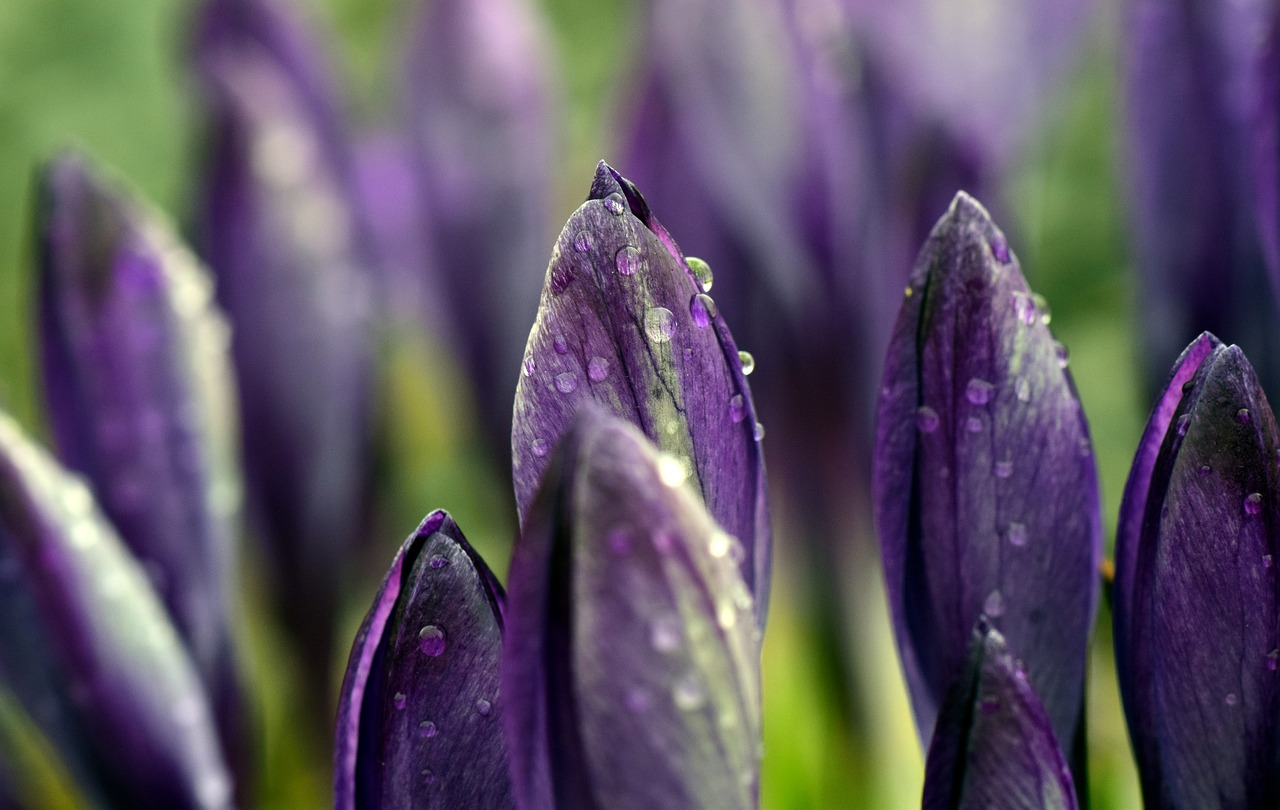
x: 994, y: 747
x: 621, y: 324
x: 1197, y: 595
x: 631, y: 665
x: 138, y: 386
x: 985, y: 487
x: 420, y: 718
x: 138, y: 699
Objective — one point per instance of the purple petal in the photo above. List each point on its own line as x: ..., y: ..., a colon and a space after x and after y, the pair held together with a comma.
x: 994, y: 747
x: 631, y: 665
x: 1198, y: 645
x: 623, y: 323
x: 419, y: 722
x: 138, y: 386
x: 290, y: 254
x: 138, y: 698
x: 479, y: 93
x: 985, y: 488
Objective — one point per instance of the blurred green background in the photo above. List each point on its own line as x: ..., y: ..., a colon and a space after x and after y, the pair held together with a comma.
x: 108, y: 76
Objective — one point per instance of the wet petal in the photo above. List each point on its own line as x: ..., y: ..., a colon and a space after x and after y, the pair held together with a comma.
x: 137, y: 697
x: 623, y: 323
x: 138, y: 386
x: 420, y: 717
x: 1197, y: 594
x: 631, y: 665
x: 994, y: 745
x: 985, y: 488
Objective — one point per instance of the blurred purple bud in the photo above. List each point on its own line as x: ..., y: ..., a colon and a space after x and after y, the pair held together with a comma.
x: 985, y: 489
x: 994, y: 747
x: 1194, y: 549
x: 631, y: 662
x: 136, y: 696
x: 420, y: 717
x: 624, y: 322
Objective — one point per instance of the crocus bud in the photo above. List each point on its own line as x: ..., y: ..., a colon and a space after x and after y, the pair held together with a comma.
x: 139, y: 393
x: 1196, y: 590
x: 993, y: 747
x: 140, y: 710
x: 985, y: 489
x: 625, y: 323
x: 290, y: 254
x: 631, y: 661
x: 420, y: 716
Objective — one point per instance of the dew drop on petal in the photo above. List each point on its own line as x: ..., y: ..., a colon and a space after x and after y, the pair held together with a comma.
x: 438, y: 561
x: 539, y: 447
x: 628, y: 261
x: 748, y: 363
x: 671, y: 471
x: 719, y: 544
x: 1059, y: 349
x: 989, y: 704
x: 926, y: 419
x: 566, y: 382
x: 1253, y: 503
x: 431, y: 640
x: 529, y: 366
x: 703, y: 310
x: 758, y: 432
x: 979, y: 391
x: 1266, y: 560
x: 1043, y: 306
x: 582, y: 242
x: 427, y: 729
x: 1183, y: 423
x: 1004, y: 468
x: 701, y: 272
x: 1023, y: 391
x: 484, y: 707
x: 615, y: 204
x: 1024, y: 308
x: 598, y: 369
x: 993, y: 605
x: 737, y: 408
x: 659, y: 324
x: 1205, y: 469
x: 560, y: 344
x: 399, y: 701
x: 1000, y: 249
x: 1242, y: 416
x: 688, y: 693
x: 1231, y: 699
x: 973, y: 424
x: 664, y: 635
x: 1017, y: 534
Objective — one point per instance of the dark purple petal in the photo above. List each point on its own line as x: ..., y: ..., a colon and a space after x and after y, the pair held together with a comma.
x: 420, y: 717
x: 985, y: 489
x: 623, y: 323
x: 137, y: 696
x: 138, y: 387
x: 631, y: 660
x: 994, y: 747
x: 1198, y: 645
x: 479, y: 93
x: 290, y: 254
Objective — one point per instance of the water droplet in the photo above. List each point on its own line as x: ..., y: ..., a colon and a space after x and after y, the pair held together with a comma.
x: 979, y: 392
x: 598, y: 369
x: 1188, y: 386
x: 993, y: 605
x: 1266, y: 560
x: 427, y: 729
x: 529, y: 366
x: 438, y: 561
x: 429, y: 776
x: 701, y: 272
x: 748, y: 362
x: 926, y: 419
x: 688, y: 693
x: 671, y: 471
x: 664, y: 541
x: 989, y: 704
x: 1024, y: 308
x: 1024, y: 391
x: 1061, y: 351
x: 628, y: 261
x: 561, y: 278
x: 1231, y: 699
x: 737, y: 408
x: 484, y: 707
x: 583, y: 243
x: 560, y: 344
x: 619, y: 542
x: 703, y: 310
x: 664, y: 635
x: 1004, y: 469
x: 399, y: 701
x: 758, y: 432
x: 973, y: 424
x: 1017, y: 536
x: 1273, y: 660
x: 539, y: 447
x: 1242, y: 416
x: 1253, y: 503
x: 659, y: 324
x: 637, y: 700
x: 615, y: 204
x: 566, y: 382
x: 1000, y: 249
x: 719, y: 544
x: 1182, y: 424
x: 726, y: 616
x: 1205, y: 469
x: 431, y: 640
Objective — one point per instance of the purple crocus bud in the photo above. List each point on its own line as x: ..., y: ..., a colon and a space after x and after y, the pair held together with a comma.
x: 985, y: 489
x: 420, y: 717
x: 625, y: 322
x: 138, y: 387
x: 631, y: 661
x: 994, y: 747
x: 290, y: 256
x: 481, y: 105
x: 138, y: 702
x: 1196, y: 590
x: 1195, y: 74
